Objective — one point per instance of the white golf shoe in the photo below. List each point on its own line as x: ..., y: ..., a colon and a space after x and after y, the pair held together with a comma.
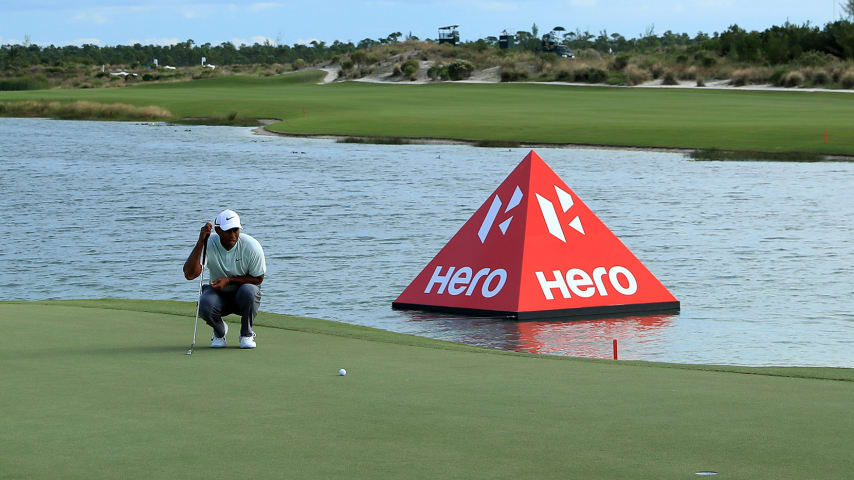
x: 247, y: 342
x: 217, y: 342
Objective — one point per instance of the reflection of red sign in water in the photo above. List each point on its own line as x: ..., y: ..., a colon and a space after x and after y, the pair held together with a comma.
x: 589, y: 338
x: 535, y: 250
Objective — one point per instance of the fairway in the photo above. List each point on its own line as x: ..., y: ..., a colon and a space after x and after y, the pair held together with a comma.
x: 103, y: 389
x: 768, y: 121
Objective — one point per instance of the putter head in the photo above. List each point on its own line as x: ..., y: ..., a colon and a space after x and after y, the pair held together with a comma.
x: 190, y: 351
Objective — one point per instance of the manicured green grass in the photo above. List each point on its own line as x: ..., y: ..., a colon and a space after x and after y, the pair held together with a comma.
x: 103, y: 389
x: 729, y: 120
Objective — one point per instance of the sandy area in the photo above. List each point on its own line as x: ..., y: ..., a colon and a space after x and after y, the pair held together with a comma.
x: 492, y: 75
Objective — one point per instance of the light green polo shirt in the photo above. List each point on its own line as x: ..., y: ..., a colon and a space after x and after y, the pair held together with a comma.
x: 246, y: 257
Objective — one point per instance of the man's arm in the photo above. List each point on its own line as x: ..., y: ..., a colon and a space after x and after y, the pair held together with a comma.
x: 193, y: 265
x: 221, y: 282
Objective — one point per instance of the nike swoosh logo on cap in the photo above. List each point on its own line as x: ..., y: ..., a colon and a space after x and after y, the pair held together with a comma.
x: 229, y: 218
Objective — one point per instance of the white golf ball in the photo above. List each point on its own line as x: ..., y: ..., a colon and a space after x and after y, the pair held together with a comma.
x: 342, y: 372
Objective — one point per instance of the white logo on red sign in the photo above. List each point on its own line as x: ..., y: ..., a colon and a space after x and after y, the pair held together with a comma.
x: 492, y: 214
x: 550, y: 214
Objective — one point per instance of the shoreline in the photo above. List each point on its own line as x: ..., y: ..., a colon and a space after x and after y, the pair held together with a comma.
x: 265, y: 122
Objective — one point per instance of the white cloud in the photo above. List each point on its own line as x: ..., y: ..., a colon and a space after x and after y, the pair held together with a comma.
x: 162, y: 41
x: 84, y: 41
x: 260, y: 6
x: 306, y: 41
x: 90, y: 17
x: 262, y: 39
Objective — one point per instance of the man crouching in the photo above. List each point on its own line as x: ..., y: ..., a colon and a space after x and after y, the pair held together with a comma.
x: 237, y: 267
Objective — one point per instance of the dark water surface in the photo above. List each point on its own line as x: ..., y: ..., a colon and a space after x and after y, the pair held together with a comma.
x: 760, y: 254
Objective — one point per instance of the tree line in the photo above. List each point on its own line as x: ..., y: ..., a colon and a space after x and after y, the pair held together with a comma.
x: 774, y: 45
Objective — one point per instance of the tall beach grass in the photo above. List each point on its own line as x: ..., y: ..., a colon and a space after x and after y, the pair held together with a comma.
x: 82, y: 110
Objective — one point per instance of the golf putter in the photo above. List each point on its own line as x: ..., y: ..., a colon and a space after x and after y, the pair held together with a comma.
x: 199, y: 301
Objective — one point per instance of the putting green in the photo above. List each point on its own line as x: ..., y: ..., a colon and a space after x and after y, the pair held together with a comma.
x: 103, y: 389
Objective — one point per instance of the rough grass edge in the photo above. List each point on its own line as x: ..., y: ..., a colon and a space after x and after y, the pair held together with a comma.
x: 82, y: 110
x: 375, y: 140
x: 715, y: 155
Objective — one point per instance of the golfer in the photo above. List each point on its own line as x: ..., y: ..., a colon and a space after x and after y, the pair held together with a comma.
x: 237, y: 267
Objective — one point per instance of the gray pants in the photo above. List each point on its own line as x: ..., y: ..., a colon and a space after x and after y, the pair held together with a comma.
x: 215, y: 304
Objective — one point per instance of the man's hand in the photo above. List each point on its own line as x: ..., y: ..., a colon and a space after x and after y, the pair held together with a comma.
x: 220, y: 282
x: 193, y: 264
x: 205, y: 232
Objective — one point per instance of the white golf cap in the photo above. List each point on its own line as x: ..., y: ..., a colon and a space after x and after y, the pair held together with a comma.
x: 227, y: 220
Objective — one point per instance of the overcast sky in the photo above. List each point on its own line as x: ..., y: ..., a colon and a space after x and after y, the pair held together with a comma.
x: 118, y: 22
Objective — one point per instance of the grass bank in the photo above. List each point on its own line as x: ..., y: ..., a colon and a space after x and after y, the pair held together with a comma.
x: 757, y: 121
x: 103, y: 389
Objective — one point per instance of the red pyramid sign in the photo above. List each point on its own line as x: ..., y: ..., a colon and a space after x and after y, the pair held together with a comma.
x: 535, y: 250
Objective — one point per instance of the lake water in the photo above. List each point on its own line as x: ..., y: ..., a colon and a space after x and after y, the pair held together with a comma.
x: 759, y: 254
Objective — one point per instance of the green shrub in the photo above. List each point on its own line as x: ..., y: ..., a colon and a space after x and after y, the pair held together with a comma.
x: 346, y: 65
x: 410, y: 68
x: 621, y: 61
x: 590, y: 75
x: 682, y: 58
x: 460, y: 69
x: 820, y: 77
x: 847, y: 79
x: 813, y: 58
x: 359, y: 57
x: 700, y: 81
x: 689, y: 73
x: 636, y: 75
x: 793, y: 79
x: 433, y: 71
x: 35, y: 82
x: 669, y: 78
x: 509, y: 73
x: 739, y: 78
x: 778, y: 77
x: 616, y: 78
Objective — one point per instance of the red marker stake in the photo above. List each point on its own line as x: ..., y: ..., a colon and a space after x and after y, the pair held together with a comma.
x: 615, y: 349
x: 825, y: 135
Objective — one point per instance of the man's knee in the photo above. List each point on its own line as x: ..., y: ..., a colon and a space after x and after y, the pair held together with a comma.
x: 249, y: 291
x: 248, y: 294
x: 210, y: 304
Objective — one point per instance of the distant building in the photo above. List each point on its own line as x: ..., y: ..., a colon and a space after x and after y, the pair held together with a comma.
x: 449, y: 34
x: 505, y: 41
